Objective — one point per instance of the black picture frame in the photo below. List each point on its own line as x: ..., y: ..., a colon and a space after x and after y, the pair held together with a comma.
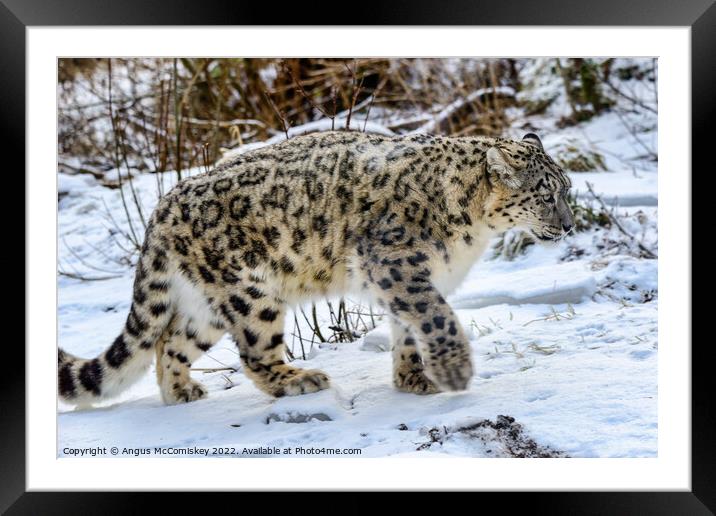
x: 699, y: 15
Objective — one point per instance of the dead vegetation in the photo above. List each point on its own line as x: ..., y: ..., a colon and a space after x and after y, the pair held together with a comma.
x: 174, y: 114
x: 503, y: 438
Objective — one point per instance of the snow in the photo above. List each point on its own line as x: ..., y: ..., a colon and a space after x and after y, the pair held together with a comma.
x: 72, y: 185
x: 624, y: 189
x: 572, y: 283
x: 564, y: 338
x: 325, y: 124
x: 451, y: 108
x: 584, y: 385
x: 582, y: 382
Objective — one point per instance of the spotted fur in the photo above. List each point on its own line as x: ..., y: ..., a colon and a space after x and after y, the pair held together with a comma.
x: 401, y: 219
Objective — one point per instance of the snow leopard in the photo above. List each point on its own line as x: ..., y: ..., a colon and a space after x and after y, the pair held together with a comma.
x: 400, y: 219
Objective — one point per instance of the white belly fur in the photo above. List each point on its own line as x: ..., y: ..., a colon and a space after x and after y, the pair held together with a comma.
x: 448, y: 276
x: 191, y: 304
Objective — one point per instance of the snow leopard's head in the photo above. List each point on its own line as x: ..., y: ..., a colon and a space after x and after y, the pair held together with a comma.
x: 530, y: 189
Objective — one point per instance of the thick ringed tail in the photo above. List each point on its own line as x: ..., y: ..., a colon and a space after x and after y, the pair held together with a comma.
x: 84, y: 381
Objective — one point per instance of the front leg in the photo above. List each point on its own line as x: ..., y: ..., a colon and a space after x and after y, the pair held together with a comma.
x: 408, y: 370
x: 400, y: 280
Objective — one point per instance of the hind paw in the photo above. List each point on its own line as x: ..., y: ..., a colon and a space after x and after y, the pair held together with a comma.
x: 184, y: 393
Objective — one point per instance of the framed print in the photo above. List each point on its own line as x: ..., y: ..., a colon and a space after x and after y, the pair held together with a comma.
x: 431, y: 249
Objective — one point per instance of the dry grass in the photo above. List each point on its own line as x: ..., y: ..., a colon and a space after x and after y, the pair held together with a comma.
x: 174, y: 114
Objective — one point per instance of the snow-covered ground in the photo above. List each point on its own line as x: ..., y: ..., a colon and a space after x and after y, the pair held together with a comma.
x: 580, y: 377
x: 564, y: 341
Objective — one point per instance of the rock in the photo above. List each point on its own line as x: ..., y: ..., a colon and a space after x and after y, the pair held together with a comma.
x: 296, y: 417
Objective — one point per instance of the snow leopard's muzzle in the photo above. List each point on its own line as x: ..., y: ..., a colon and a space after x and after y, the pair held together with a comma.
x: 559, y: 224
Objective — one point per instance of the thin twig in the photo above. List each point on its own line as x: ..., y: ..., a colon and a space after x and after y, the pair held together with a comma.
x: 278, y: 112
x: 648, y: 252
x: 300, y: 338
x: 177, y: 120
x: 83, y: 262
x: 134, y: 239
x: 629, y: 97
x: 372, y: 99
x: 632, y: 131
x: 317, y: 327
x: 85, y: 278
x: 137, y: 203
x: 213, y: 369
x: 355, y: 91
x: 301, y: 90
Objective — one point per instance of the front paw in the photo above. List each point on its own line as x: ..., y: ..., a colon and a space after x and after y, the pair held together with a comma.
x: 414, y: 381
x: 450, y: 371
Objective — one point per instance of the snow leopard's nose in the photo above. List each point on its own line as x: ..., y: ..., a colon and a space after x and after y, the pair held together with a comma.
x: 567, y: 227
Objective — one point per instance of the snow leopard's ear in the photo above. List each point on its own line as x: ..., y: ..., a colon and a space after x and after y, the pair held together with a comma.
x: 498, y: 165
x: 533, y: 139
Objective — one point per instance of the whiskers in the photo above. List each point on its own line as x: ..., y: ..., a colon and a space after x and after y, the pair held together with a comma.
x: 546, y: 233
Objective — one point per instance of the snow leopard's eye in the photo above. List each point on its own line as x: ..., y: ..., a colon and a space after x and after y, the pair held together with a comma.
x: 549, y: 199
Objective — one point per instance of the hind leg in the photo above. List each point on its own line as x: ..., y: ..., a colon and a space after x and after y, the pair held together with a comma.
x: 182, y: 344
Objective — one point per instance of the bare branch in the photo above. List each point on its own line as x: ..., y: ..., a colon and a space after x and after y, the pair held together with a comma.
x: 281, y: 116
x: 647, y: 252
